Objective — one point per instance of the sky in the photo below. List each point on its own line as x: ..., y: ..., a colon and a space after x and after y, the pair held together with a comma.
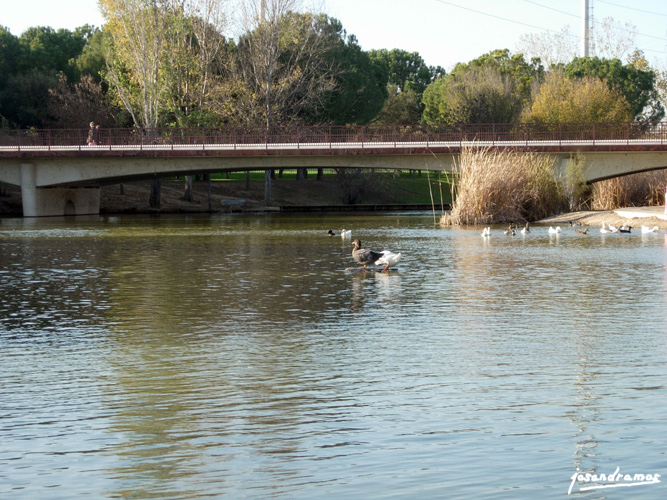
x: 443, y: 32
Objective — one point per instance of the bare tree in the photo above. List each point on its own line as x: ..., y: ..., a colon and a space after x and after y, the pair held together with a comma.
x: 282, y: 59
x: 609, y: 39
x: 552, y: 48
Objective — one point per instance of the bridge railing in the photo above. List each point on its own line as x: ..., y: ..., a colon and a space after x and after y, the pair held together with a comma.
x: 340, y: 136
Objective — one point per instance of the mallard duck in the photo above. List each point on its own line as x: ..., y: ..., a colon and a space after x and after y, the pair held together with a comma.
x: 510, y: 230
x: 331, y: 233
x: 345, y: 234
x: 646, y: 229
x: 585, y: 231
x: 363, y: 256
x: 388, y: 259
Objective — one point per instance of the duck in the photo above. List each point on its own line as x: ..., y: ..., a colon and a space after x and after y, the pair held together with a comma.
x: 346, y: 234
x: 363, y: 256
x: 554, y: 230
x: 584, y: 231
x: 486, y: 231
x: 331, y: 233
x: 605, y: 229
x: 510, y: 230
x: 646, y: 229
x: 388, y: 259
x: 625, y: 229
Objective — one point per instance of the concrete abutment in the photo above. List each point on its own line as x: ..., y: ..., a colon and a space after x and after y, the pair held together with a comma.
x: 52, y: 201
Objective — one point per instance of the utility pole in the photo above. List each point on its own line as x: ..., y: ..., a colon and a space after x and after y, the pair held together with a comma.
x: 585, y: 28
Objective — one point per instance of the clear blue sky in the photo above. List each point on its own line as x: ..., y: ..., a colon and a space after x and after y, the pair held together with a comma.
x: 444, y: 32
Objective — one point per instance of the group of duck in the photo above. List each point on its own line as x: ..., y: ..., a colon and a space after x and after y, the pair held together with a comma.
x: 606, y: 228
x: 364, y: 256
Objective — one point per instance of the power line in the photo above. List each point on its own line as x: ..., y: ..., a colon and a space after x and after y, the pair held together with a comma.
x: 513, y: 21
x: 495, y: 16
x: 633, y: 8
x: 551, y: 8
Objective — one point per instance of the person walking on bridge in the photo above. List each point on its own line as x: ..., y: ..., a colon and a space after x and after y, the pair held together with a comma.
x: 90, y: 140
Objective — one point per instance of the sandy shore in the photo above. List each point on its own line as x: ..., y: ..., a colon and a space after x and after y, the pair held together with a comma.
x: 632, y: 216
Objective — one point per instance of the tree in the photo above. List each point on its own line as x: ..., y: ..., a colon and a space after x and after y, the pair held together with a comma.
x: 24, y: 100
x: 360, y: 84
x: 638, y: 86
x: 490, y: 89
x: 408, y: 78
x: 160, y: 61
x: 75, y: 105
x: 550, y: 47
x: 608, y: 39
x: 283, y: 62
x: 47, y: 49
x: 400, y: 108
x: 566, y: 100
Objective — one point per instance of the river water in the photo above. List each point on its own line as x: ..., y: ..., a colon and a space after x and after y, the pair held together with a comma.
x: 238, y: 356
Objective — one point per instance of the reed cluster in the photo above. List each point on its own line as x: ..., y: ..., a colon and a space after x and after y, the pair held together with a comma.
x: 496, y: 186
x: 636, y: 190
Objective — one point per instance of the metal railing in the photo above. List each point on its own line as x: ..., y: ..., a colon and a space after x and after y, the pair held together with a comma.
x: 353, y: 137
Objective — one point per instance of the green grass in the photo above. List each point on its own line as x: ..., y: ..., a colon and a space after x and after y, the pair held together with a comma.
x: 402, y: 187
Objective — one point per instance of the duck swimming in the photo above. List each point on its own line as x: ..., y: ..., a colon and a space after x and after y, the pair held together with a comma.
x: 363, y: 256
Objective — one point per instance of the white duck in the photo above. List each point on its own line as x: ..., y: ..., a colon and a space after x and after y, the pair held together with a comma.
x: 605, y: 229
x: 646, y: 229
x: 554, y: 230
x: 486, y: 231
x: 388, y: 259
x: 346, y: 234
x: 526, y: 228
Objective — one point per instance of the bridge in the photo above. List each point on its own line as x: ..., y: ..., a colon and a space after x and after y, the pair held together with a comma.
x: 60, y: 174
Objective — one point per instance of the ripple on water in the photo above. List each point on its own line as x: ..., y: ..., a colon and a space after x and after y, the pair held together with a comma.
x: 235, y: 357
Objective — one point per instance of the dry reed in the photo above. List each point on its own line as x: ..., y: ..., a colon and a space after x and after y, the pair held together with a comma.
x: 496, y: 186
x: 636, y: 190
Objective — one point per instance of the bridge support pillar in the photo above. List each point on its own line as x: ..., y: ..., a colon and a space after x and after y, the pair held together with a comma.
x: 45, y: 202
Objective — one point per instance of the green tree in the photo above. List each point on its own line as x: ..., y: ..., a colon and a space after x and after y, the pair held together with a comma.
x: 360, y: 84
x: 569, y: 100
x: 48, y: 49
x: 408, y: 78
x: 24, y: 100
x: 10, y: 55
x: 473, y: 95
x: 92, y: 59
x: 637, y: 85
x: 400, y: 108
x: 492, y: 88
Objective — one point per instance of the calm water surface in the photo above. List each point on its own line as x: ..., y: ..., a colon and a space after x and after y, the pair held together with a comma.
x: 234, y: 356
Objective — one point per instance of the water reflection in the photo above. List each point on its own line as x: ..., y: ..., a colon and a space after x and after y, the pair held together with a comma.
x: 236, y: 357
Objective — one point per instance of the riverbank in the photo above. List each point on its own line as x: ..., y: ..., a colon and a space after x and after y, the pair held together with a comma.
x: 631, y: 216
